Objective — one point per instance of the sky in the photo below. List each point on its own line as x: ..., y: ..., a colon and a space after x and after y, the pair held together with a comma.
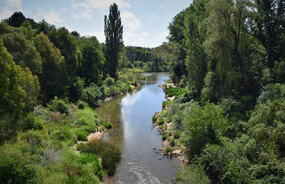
x: 145, y: 22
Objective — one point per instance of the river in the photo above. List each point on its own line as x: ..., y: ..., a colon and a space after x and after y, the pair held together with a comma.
x: 134, y: 134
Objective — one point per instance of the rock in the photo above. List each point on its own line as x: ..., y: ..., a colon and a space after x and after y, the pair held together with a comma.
x: 171, y: 98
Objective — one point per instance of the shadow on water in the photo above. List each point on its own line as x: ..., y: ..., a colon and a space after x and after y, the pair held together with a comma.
x: 133, y: 132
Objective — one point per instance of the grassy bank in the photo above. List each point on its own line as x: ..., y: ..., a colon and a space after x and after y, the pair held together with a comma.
x: 46, y: 147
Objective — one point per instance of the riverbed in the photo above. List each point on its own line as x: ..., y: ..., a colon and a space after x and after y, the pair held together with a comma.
x: 134, y: 134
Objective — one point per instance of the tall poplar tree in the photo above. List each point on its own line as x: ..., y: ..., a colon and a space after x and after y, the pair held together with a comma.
x: 114, y: 39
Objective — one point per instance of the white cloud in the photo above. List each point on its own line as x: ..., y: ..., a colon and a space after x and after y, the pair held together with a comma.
x: 165, y: 34
x: 129, y: 100
x: 8, y: 7
x: 14, y: 4
x: 52, y: 17
x: 144, y: 34
x: 87, y: 14
x: 98, y: 4
x: 131, y: 24
x: 98, y: 34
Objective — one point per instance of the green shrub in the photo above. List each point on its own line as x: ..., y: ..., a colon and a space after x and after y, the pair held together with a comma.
x: 165, y: 103
x: 172, y: 143
x: 75, y: 89
x: 272, y: 172
x: 80, y: 168
x: 87, y: 119
x: 115, y: 91
x: 92, y: 95
x: 101, y: 129
x: 63, y: 134
x: 16, y: 167
x: 130, y: 88
x: 81, y: 105
x: 270, y: 92
x: 86, y: 158
x: 161, y: 121
x: 107, y: 125
x: 173, y: 91
x: 109, y: 154
x: 164, y: 137
x: 81, y: 135
x: 58, y: 105
x: 168, y: 150
x: 177, y: 134
x: 192, y: 174
x: 154, y: 118
x: 109, y: 81
x: 32, y: 122
x: 203, y: 125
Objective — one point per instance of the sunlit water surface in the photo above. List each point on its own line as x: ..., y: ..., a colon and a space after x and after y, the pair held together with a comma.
x: 133, y: 132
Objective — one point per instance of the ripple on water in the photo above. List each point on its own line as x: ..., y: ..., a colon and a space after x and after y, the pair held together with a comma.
x: 135, y: 173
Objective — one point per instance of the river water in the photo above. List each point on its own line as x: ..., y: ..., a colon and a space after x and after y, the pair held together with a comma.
x: 133, y: 133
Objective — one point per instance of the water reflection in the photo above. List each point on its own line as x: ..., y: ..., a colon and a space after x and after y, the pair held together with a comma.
x: 131, y: 116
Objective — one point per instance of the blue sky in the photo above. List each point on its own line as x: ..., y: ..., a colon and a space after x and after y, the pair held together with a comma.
x: 145, y: 21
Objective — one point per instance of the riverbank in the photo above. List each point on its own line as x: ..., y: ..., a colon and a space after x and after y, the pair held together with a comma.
x: 131, y: 116
x: 164, y: 126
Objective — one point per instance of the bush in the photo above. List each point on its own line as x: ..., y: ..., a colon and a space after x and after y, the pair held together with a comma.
x: 92, y: 158
x: 130, y: 88
x: 107, y: 125
x: 115, y: 91
x: 172, y: 143
x: 92, y: 95
x: 75, y: 89
x: 81, y: 105
x: 32, y: 122
x: 81, y: 135
x: 173, y: 91
x: 168, y: 150
x: 109, y: 81
x: 203, y: 125
x: 165, y: 103
x: 109, y: 154
x: 270, y: 92
x: 272, y: 172
x: 161, y: 121
x: 192, y: 174
x: 58, y: 105
x: 16, y: 167
x: 164, y: 137
x: 154, y: 118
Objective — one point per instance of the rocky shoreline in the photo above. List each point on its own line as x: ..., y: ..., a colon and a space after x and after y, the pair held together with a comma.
x: 164, y: 128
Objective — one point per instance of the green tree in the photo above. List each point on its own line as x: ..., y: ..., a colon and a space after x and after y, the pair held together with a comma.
x: 23, y: 50
x: 68, y: 46
x: 12, y: 94
x: 16, y: 19
x: 203, y: 125
x: 267, y: 25
x: 195, y: 34
x: 53, y: 77
x: 114, y: 39
x: 92, y: 60
x: 228, y: 47
x: 19, y: 90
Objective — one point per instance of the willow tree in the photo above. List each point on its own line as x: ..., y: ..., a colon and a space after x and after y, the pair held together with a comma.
x: 114, y: 39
